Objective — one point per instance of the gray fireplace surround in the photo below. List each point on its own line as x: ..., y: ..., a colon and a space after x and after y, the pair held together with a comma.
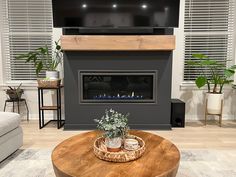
x: 154, y: 114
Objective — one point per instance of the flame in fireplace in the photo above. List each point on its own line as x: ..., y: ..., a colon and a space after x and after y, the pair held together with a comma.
x: 131, y: 96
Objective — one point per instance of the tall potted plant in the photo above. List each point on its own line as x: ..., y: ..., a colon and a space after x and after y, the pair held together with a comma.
x: 115, y: 128
x: 215, y: 79
x: 43, y: 60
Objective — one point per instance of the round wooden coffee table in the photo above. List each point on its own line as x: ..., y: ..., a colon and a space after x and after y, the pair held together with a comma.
x: 74, y: 157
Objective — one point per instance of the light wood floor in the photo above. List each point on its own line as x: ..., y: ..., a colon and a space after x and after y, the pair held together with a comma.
x: 194, y: 136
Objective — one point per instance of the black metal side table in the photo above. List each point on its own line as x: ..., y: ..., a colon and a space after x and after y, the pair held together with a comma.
x: 17, y: 101
x: 43, y: 108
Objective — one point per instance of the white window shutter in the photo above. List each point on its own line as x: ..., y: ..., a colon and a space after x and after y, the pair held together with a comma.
x: 208, y: 29
x: 27, y: 25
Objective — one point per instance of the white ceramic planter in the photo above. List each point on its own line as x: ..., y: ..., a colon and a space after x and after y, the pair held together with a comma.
x: 113, y: 144
x: 53, y: 75
x: 214, y: 102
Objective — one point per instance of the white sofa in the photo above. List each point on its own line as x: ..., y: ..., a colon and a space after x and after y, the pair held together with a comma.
x: 11, y: 135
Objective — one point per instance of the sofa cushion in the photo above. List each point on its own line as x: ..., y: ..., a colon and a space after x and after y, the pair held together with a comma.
x: 8, y: 122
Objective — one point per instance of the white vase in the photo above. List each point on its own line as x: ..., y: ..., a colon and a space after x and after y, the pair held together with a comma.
x: 214, y: 102
x: 52, y: 75
x: 113, y: 144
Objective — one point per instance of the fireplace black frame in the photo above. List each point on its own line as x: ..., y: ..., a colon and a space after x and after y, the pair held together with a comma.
x: 142, y: 116
x: 153, y: 73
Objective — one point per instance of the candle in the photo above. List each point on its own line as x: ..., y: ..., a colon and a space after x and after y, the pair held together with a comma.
x: 131, y: 144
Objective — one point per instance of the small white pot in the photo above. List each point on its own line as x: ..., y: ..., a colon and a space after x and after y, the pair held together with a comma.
x: 113, y: 144
x: 52, y: 75
x: 214, y: 102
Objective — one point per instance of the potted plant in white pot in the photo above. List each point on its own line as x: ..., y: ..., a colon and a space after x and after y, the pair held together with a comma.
x: 43, y: 60
x: 115, y: 128
x: 215, y: 80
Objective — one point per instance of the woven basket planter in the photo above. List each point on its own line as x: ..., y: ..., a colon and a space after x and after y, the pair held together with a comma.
x: 14, y: 95
x: 49, y: 83
x: 122, y: 156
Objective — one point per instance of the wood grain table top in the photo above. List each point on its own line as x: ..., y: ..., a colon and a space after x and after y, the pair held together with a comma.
x: 74, y: 157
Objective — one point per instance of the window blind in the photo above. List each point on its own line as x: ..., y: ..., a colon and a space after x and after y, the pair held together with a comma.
x: 208, y: 29
x: 27, y: 25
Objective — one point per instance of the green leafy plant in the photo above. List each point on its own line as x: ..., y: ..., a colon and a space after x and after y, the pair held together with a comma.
x: 15, y: 92
x: 42, y: 59
x: 113, y: 124
x: 217, y: 78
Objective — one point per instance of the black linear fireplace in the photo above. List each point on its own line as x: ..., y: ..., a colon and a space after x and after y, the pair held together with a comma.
x: 117, y: 86
x: 135, y: 82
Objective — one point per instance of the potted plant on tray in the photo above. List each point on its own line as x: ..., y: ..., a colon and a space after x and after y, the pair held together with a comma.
x: 215, y: 80
x: 115, y: 127
x: 43, y: 60
x: 14, y: 93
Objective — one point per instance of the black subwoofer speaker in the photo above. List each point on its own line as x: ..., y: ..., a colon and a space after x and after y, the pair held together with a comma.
x: 177, y: 113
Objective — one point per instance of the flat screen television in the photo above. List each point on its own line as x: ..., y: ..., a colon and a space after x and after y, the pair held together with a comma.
x: 115, y: 13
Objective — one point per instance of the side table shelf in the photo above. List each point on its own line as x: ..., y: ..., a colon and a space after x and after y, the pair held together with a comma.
x: 56, y: 107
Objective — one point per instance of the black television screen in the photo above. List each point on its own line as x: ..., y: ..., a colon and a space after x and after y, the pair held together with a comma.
x: 116, y: 13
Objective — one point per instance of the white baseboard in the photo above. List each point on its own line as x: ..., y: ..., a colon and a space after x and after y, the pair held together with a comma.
x: 36, y: 116
x: 187, y: 117
x: 210, y: 117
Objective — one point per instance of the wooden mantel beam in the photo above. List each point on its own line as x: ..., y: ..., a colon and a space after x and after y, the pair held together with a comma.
x: 118, y: 42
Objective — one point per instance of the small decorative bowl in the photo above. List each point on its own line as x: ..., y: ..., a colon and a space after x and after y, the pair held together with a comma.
x: 131, y: 144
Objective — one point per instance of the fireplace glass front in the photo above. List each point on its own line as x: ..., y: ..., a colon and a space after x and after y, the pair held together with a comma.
x: 117, y: 87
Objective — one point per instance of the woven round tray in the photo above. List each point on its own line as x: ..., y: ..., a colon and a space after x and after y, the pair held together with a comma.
x: 122, y: 156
